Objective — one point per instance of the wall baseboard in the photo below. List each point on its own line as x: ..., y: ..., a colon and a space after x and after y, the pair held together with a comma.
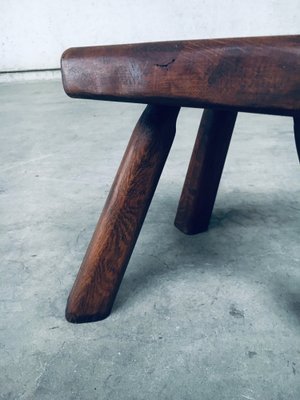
x: 31, y: 75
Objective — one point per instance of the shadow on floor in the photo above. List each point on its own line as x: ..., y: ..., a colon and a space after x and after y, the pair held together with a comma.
x: 252, y: 235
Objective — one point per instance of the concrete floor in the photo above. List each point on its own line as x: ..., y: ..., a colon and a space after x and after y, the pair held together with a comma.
x: 213, y: 317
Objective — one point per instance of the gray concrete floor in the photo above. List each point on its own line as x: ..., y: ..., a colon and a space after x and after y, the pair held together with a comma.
x: 213, y: 317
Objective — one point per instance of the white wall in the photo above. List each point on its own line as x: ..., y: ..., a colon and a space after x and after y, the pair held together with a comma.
x: 34, y: 33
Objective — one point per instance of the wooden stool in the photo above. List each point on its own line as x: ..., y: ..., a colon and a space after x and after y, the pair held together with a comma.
x: 224, y: 76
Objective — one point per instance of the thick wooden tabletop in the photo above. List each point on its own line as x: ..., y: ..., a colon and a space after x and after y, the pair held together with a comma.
x: 259, y: 74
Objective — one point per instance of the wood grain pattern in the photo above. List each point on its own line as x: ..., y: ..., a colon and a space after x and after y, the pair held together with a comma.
x: 297, y: 134
x: 260, y: 74
x: 104, y: 264
x: 204, y: 171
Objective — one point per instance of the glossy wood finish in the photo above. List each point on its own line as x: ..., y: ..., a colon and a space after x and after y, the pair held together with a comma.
x: 113, y: 241
x: 297, y: 134
x: 260, y: 74
x: 205, y: 170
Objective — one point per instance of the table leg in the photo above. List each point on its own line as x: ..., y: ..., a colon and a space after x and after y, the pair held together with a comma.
x: 205, y: 170
x: 109, y: 251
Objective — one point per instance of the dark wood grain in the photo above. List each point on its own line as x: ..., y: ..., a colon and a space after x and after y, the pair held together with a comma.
x: 260, y: 74
x: 297, y: 134
x: 115, y: 235
x: 204, y: 171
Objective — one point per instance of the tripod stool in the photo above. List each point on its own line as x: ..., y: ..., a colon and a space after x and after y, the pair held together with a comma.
x: 223, y: 76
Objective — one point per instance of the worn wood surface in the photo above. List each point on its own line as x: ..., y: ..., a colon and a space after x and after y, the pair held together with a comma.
x: 297, y: 134
x: 204, y: 171
x: 115, y: 235
x: 260, y: 74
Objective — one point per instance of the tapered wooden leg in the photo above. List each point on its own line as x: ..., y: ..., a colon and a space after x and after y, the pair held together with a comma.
x: 107, y: 256
x: 297, y: 134
x: 205, y: 170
